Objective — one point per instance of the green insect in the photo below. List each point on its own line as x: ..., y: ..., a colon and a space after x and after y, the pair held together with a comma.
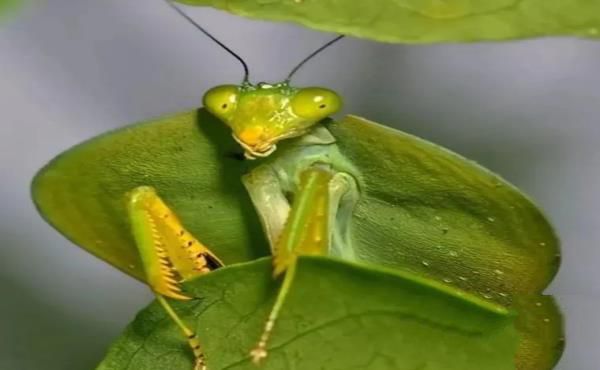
x: 352, y: 189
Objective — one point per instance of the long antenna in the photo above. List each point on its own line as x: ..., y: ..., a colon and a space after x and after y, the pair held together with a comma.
x: 199, y: 27
x: 312, y: 55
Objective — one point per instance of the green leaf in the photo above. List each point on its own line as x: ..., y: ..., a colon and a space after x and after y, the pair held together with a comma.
x: 423, y: 209
x: 8, y: 8
x: 541, y: 332
x: 427, y: 21
x: 188, y: 157
x: 429, y: 211
x: 338, y: 316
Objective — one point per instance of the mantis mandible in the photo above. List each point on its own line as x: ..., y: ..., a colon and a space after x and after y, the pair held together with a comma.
x: 352, y: 190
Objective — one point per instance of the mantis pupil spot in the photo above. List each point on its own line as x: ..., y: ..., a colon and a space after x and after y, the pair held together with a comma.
x: 322, y: 106
x: 224, y: 106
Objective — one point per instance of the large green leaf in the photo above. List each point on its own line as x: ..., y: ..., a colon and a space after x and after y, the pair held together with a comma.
x: 188, y: 157
x: 422, y: 209
x: 426, y: 21
x: 430, y: 211
x: 338, y: 316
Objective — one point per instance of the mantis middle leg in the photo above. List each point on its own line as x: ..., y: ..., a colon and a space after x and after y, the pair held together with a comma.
x: 316, y: 224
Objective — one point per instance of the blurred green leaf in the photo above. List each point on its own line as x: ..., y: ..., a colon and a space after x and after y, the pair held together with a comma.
x: 8, y: 8
x: 427, y: 21
x: 338, y: 316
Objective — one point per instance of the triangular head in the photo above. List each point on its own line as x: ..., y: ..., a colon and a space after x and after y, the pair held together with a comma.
x: 262, y: 115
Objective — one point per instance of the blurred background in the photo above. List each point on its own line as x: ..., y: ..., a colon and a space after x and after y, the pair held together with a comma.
x: 69, y: 70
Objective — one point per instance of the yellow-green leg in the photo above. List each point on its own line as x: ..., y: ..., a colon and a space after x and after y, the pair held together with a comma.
x: 170, y: 255
x: 306, y: 232
x: 192, y: 339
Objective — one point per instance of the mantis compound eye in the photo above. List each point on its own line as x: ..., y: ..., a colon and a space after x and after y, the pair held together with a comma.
x: 221, y: 101
x: 315, y: 103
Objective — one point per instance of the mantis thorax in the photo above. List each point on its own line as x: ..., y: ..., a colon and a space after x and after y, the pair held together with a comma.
x: 261, y: 115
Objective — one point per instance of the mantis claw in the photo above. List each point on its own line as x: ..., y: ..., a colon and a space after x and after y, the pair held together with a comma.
x: 170, y: 255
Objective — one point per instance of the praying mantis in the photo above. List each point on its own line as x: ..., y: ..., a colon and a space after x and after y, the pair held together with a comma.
x: 173, y: 199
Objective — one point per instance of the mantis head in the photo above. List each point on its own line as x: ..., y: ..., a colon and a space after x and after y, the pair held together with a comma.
x: 262, y: 115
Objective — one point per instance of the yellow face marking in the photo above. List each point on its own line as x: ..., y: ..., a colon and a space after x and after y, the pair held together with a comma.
x: 252, y: 135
